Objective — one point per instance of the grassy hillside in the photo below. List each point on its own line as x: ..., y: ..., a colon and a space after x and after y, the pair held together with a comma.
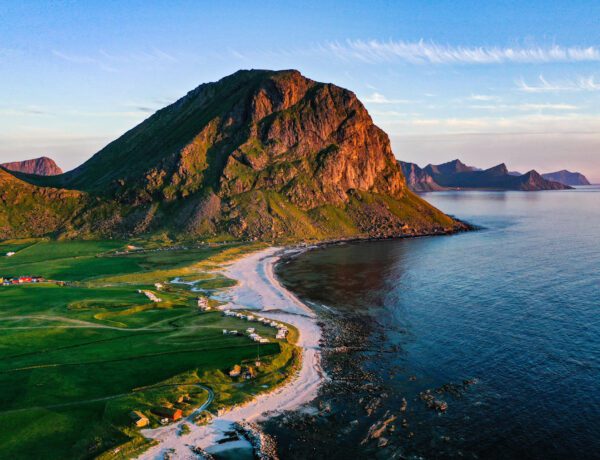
x: 76, y: 359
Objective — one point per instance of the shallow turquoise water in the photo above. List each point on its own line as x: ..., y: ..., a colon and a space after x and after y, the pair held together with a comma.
x: 515, y: 305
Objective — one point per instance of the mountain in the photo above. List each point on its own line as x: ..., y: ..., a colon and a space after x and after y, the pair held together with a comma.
x: 417, y: 179
x: 257, y: 155
x: 457, y: 175
x: 452, y: 167
x: 42, y: 166
x: 567, y: 178
x: 497, y: 178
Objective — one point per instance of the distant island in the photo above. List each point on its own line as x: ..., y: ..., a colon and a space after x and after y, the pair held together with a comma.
x: 567, y: 177
x: 455, y: 175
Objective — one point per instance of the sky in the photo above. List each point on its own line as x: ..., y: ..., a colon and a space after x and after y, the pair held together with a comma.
x: 486, y: 82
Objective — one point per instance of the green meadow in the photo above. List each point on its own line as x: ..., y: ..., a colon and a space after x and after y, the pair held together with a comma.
x: 76, y: 359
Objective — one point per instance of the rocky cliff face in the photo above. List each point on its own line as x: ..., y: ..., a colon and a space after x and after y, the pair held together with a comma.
x: 42, y: 166
x: 259, y: 154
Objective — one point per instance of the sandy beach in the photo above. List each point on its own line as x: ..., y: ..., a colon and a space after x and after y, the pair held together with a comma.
x: 257, y: 289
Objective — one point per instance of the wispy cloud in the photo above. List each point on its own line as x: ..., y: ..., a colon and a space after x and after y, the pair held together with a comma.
x: 378, y: 98
x: 544, y: 86
x: 107, y: 60
x: 79, y: 59
x: 423, y: 52
x: 483, y: 97
x: 525, y: 107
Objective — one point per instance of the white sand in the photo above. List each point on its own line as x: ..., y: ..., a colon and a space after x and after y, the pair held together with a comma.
x: 257, y: 289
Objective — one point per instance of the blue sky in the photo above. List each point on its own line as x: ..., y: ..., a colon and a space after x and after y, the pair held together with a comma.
x: 487, y: 83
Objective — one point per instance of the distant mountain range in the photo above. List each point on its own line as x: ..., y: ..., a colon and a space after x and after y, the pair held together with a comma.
x: 457, y: 175
x: 259, y: 154
x: 42, y: 166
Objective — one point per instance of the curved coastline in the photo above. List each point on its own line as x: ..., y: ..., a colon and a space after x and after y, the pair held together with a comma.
x: 258, y: 289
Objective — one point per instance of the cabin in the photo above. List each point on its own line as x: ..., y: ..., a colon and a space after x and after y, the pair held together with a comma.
x: 170, y: 413
x: 139, y: 419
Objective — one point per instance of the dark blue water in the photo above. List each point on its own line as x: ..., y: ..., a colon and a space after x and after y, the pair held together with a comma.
x: 515, y: 306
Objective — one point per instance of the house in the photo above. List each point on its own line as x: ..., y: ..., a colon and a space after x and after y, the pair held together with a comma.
x: 158, y: 286
x: 139, y: 419
x: 235, y: 371
x: 10, y: 254
x: 249, y: 373
x: 24, y: 279
x: 250, y: 330
x: 170, y: 413
x: 264, y: 340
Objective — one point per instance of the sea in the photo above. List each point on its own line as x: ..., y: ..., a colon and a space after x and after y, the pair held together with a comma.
x: 484, y: 344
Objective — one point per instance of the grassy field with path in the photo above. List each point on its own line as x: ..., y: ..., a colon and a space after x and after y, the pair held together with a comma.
x: 76, y: 359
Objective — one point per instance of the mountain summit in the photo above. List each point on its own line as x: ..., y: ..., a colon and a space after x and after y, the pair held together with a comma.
x: 42, y: 166
x: 259, y: 154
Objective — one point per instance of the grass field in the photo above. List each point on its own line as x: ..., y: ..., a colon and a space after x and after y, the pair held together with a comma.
x: 76, y: 359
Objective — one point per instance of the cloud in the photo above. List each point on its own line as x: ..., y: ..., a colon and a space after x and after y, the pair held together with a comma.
x: 106, y: 61
x: 524, y: 107
x: 78, y: 59
x: 483, y: 97
x: 422, y: 52
x: 378, y: 98
x: 522, y: 123
x: 544, y: 86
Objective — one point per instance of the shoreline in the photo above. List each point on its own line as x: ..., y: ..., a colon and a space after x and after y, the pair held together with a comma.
x: 258, y: 290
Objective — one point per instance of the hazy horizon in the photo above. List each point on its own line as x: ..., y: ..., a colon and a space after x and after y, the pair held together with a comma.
x: 510, y: 83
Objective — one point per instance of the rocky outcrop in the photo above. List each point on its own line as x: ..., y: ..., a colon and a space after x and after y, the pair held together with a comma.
x: 567, y: 177
x: 42, y: 166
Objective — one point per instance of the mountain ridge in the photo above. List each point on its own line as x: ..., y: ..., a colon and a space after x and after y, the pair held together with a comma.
x: 257, y: 155
x: 457, y: 175
x: 42, y: 166
x: 567, y: 177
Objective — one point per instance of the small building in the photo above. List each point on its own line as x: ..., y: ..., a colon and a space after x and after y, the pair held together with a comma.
x: 158, y: 286
x: 249, y: 373
x: 183, y: 398
x: 234, y: 332
x: 139, y: 419
x: 10, y: 253
x: 224, y: 331
x: 250, y: 330
x: 264, y: 340
x: 170, y: 413
x: 235, y: 371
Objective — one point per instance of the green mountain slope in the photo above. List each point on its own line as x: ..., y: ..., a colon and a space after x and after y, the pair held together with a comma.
x: 259, y: 154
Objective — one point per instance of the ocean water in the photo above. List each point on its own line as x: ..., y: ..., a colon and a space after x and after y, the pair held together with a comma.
x: 501, y: 324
